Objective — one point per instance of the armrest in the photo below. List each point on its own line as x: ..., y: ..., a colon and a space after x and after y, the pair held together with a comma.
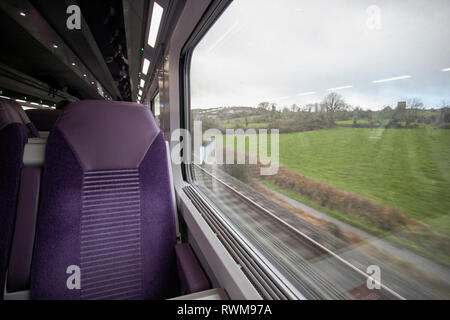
x: 191, y: 275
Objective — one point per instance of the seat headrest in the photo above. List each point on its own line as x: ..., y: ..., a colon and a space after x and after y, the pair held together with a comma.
x: 107, y: 134
x: 12, y: 112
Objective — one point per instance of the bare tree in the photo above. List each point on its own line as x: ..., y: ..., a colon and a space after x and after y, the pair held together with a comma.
x: 264, y: 105
x: 444, y: 104
x: 331, y: 104
x: 414, y: 104
x: 414, y: 108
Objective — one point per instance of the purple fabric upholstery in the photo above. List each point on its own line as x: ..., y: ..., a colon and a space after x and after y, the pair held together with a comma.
x: 12, y: 112
x: 13, y: 136
x: 111, y: 217
x: 111, y: 228
x: 191, y: 275
x: 118, y: 144
x: 159, y: 235
x: 12, y: 140
x: 57, y: 243
x: 24, y: 231
x: 44, y: 119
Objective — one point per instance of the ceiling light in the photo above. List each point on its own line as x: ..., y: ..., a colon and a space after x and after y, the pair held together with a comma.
x: 340, y: 88
x: 140, y: 92
x: 445, y: 70
x: 34, y: 103
x: 74, y: 64
x: 18, y: 100
x: 55, y: 46
x: 145, y: 66
x: 142, y: 83
x: 85, y: 75
x: 154, y: 24
x: 23, y: 14
x: 392, y: 79
x: 305, y: 94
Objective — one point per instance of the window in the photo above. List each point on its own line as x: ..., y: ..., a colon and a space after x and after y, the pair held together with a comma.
x: 156, y: 107
x: 350, y: 199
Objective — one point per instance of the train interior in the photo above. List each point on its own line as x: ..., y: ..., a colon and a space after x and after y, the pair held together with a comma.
x: 105, y: 193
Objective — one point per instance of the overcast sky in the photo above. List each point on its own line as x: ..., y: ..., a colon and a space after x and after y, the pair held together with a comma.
x: 294, y: 51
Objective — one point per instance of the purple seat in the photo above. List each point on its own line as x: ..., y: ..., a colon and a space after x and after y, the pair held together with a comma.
x: 105, y: 207
x: 14, y: 130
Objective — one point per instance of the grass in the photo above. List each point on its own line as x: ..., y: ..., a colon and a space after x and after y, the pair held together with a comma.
x: 347, y: 122
x: 428, y: 113
x: 407, y: 169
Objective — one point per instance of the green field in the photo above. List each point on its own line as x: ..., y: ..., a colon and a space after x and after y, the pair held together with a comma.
x: 350, y: 122
x: 407, y: 169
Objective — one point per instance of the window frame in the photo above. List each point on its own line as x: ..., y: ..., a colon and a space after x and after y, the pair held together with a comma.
x: 208, y: 20
x: 212, y: 14
x: 152, y: 102
x: 289, y: 286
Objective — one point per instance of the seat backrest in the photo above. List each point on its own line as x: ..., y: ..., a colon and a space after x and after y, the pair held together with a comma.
x: 14, y: 131
x: 105, y: 207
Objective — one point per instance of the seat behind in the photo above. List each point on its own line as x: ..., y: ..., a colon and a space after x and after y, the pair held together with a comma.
x: 105, y: 207
x: 14, y: 130
x: 44, y: 119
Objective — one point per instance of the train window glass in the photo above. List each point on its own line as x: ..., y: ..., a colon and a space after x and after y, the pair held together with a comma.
x: 156, y: 107
x: 351, y: 197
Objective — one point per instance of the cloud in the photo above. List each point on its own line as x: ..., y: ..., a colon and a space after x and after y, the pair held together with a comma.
x: 273, y: 50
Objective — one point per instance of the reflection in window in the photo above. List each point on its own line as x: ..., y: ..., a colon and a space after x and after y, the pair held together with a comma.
x: 156, y: 107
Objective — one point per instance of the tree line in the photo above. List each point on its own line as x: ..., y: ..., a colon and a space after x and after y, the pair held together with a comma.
x: 332, y: 111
